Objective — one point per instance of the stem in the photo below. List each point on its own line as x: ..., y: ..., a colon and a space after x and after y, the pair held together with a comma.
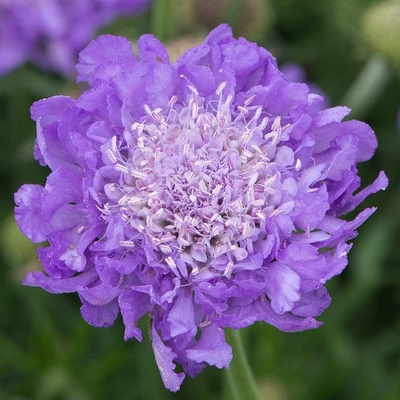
x: 231, y: 13
x: 161, y: 19
x: 367, y: 88
x: 239, y: 375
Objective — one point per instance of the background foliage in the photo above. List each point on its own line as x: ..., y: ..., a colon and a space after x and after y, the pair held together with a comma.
x: 47, y: 352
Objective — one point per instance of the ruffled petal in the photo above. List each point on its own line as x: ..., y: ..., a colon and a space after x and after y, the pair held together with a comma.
x: 62, y: 285
x: 164, y: 359
x: 28, y: 212
x: 100, y: 316
x: 133, y: 306
x: 282, y: 286
x: 150, y: 49
x: 107, y: 51
x: 211, y: 348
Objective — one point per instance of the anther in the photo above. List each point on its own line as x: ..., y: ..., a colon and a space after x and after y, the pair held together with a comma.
x: 127, y: 243
x: 170, y: 262
x: 220, y: 88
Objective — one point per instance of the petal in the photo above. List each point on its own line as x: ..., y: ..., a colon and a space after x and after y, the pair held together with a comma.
x: 164, y: 358
x: 133, y: 306
x: 100, y: 316
x: 220, y: 34
x: 304, y: 259
x: 310, y: 208
x: 367, y: 141
x: 48, y: 149
x: 56, y: 286
x: 346, y: 230
x: 28, y: 212
x: 250, y: 263
x: 282, y: 286
x: 100, y: 295
x: 337, y: 259
x: 49, y: 110
x: 211, y: 348
x: 340, y: 157
x: 150, y: 49
x: 312, y: 304
x: 286, y: 322
x: 181, y: 316
x: 104, y: 49
x: 63, y: 187
x: 380, y: 183
x: 334, y: 114
x: 248, y: 285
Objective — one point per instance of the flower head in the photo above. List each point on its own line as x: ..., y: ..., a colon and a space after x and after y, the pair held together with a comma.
x: 208, y: 194
x: 50, y: 33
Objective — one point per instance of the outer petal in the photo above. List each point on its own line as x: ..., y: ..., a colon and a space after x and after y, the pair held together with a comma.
x: 304, y: 259
x: 104, y: 49
x: 63, y: 187
x: 100, y: 295
x: 28, y: 214
x: 49, y: 110
x: 133, y: 306
x: 47, y: 113
x: 360, y: 130
x: 286, y: 322
x: 282, y: 286
x: 312, y: 304
x: 150, y: 49
x: 68, y: 285
x: 310, y: 208
x: 211, y: 348
x: 164, y: 359
x: 181, y: 316
x: 100, y: 316
x: 221, y: 34
x: 380, y: 183
x: 334, y: 114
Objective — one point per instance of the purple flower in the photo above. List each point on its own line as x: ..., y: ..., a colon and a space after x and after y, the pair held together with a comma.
x: 208, y: 194
x: 50, y: 33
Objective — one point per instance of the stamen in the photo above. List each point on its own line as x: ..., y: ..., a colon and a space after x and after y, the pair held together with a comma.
x: 243, y: 110
x: 264, y: 123
x: 220, y: 88
x: 228, y: 269
x: 111, y: 156
x: 165, y: 249
x: 249, y: 100
x: 138, y: 174
x: 193, y: 181
x: 170, y: 262
x: 217, y: 189
x: 172, y: 101
x: 121, y: 168
x: 127, y: 243
x: 147, y: 109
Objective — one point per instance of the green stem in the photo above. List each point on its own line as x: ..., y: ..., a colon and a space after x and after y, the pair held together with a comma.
x: 232, y: 12
x: 161, y: 19
x: 239, y: 375
x: 368, y: 87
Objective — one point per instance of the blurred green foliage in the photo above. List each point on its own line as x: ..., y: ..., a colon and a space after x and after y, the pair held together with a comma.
x: 47, y: 352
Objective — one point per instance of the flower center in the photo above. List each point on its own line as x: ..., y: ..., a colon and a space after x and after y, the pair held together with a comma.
x: 197, y: 184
